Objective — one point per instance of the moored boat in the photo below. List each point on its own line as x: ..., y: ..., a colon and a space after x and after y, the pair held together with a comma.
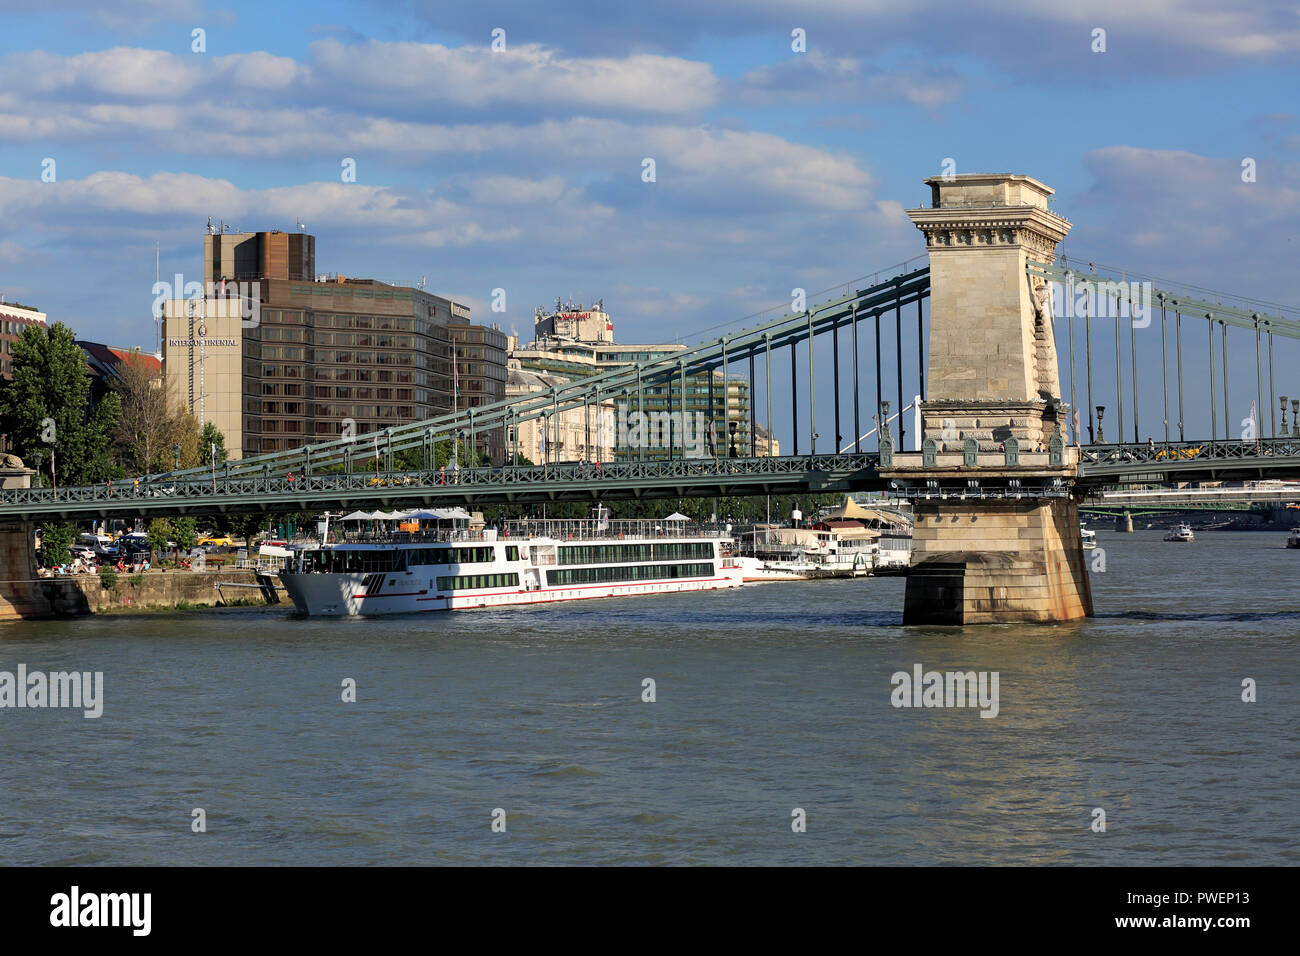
x: 1181, y: 533
x: 1293, y: 540
x: 447, y: 565
x: 1088, y: 537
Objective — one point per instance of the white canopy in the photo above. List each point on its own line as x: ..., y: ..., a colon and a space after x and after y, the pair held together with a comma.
x: 356, y: 516
x: 677, y: 516
x: 435, y: 514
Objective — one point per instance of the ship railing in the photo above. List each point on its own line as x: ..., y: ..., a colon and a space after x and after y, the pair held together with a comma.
x: 583, y: 529
x: 405, y: 537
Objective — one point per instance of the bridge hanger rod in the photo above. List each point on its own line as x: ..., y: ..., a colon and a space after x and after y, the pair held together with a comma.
x: 612, y: 380
x: 1188, y: 306
x: 706, y: 357
x: 568, y: 396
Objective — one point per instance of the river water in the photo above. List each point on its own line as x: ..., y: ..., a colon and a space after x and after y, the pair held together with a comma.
x: 768, y: 698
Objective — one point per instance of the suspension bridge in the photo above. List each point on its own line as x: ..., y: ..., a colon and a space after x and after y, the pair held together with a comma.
x: 995, y: 463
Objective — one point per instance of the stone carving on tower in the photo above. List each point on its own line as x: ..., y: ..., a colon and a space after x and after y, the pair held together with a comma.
x: 992, y: 364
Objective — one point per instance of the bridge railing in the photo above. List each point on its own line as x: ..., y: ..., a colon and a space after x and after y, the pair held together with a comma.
x: 1166, y: 453
x: 162, y: 492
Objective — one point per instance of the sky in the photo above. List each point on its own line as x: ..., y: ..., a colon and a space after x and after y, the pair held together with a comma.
x: 521, y: 167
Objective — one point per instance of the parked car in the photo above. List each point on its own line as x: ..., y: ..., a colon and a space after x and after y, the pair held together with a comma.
x: 216, y: 541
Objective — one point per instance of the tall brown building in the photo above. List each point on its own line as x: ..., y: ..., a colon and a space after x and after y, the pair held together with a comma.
x: 259, y: 255
x: 480, y: 376
x: 322, y: 356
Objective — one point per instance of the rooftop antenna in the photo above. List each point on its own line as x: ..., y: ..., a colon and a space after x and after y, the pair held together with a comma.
x: 299, y: 223
x: 157, y: 319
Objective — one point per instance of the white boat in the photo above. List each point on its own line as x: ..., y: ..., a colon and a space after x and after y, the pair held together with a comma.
x: 877, y: 542
x: 803, y: 566
x: 1181, y: 533
x: 449, y: 566
x: 1293, y: 540
x: 1089, y: 538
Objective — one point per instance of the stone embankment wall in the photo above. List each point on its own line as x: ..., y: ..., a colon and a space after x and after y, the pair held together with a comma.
x: 86, y: 594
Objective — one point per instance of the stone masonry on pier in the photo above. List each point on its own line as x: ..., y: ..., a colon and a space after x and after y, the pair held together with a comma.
x: 997, y: 531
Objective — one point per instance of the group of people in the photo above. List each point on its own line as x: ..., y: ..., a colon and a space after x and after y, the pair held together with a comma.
x: 83, y: 566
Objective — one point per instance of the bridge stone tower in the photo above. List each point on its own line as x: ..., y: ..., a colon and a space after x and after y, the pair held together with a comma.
x: 996, y: 535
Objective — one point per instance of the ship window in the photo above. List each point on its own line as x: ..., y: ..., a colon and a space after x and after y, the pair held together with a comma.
x: 460, y: 582
x: 617, y: 573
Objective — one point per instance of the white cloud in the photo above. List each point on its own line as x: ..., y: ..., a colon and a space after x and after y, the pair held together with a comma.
x: 1190, y: 217
x: 476, y: 77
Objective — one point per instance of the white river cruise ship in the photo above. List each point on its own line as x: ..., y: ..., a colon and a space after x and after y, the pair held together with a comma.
x: 448, y: 566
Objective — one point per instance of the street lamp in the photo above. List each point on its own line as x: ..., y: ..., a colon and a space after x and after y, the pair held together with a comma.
x: 176, y: 457
x: 38, y: 457
x: 1101, y: 431
x: 1282, y: 400
x: 731, y: 428
x: 1295, y: 410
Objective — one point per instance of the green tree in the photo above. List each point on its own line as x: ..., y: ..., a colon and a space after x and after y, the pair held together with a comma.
x: 158, y: 533
x: 45, y: 407
x: 247, y: 525
x: 183, y: 533
x: 56, y: 543
x: 211, y: 435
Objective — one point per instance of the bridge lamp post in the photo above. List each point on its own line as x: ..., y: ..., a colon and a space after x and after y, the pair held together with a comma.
x: 176, y: 457
x: 1101, y: 430
x: 38, y: 457
x: 1282, y: 401
x: 546, y: 440
x: 1295, y: 411
x: 622, y: 411
x: 731, y: 428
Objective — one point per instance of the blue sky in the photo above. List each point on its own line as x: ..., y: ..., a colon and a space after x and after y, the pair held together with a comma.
x: 521, y: 169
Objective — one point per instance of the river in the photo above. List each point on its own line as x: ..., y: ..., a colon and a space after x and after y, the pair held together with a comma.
x: 767, y: 698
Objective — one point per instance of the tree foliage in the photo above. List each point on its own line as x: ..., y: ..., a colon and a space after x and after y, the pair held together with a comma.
x: 56, y: 543
x: 183, y: 533
x: 149, y: 428
x: 158, y: 533
x: 45, y: 407
x: 211, y: 435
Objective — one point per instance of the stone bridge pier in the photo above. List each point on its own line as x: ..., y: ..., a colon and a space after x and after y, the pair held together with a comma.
x: 21, y: 593
x: 996, y: 536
